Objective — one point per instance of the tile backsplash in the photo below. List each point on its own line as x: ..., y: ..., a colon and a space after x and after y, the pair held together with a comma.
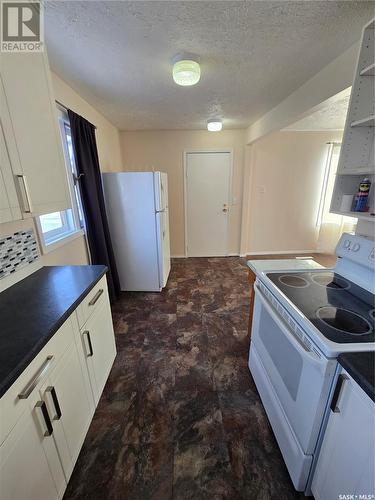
x: 17, y: 250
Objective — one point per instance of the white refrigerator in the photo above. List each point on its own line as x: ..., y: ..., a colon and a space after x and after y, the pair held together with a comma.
x: 138, y: 218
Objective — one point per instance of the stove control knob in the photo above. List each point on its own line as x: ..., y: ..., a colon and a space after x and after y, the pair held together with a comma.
x: 356, y: 247
x: 347, y: 244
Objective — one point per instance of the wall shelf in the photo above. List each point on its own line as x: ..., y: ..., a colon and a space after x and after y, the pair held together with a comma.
x: 356, y: 215
x: 368, y: 70
x: 369, y: 121
x: 357, y: 155
x: 357, y: 171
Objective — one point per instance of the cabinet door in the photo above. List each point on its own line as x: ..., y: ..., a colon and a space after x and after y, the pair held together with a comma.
x: 99, y: 345
x: 9, y: 204
x: 29, y: 98
x: 346, y: 459
x: 68, y: 404
x: 5, y: 211
x: 24, y: 468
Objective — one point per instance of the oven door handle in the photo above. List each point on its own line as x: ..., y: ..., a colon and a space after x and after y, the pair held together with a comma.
x: 292, y: 337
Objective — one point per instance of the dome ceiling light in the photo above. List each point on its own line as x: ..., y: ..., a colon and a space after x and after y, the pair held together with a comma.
x: 186, y: 72
x: 214, y: 125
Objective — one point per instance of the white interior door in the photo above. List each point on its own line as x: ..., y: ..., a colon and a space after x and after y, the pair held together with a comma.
x: 207, y: 203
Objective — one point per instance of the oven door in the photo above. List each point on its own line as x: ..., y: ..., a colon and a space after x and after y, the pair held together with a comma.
x: 301, y: 378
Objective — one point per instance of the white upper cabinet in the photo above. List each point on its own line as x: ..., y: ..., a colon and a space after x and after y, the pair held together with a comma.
x: 9, y: 205
x: 9, y: 202
x: 29, y: 119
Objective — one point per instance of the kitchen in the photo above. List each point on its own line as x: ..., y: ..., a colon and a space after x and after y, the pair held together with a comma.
x: 167, y: 330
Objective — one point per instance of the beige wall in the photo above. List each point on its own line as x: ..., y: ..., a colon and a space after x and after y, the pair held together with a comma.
x: 163, y: 150
x: 283, y: 178
x: 109, y: 150
x: 107, y: 135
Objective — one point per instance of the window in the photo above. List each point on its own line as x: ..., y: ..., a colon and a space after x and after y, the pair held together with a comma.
x: 331, y: 226
x: 324, y: 214
x: 58, y: 226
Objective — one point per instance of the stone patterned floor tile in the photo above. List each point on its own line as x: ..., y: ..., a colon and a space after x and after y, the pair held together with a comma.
x: 143, y: 472
x: 203, y: 471
x: 180, y: 417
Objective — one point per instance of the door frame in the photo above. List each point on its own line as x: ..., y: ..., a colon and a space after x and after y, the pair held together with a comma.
x: 230, y: 184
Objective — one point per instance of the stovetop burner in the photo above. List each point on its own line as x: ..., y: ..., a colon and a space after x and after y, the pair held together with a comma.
x: 293, y: 281
x: 344, y: 320
x: 341, y: 310
x: 330, y: 280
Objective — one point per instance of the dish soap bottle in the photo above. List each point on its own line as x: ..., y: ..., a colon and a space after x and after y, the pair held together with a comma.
x: 361, y: 198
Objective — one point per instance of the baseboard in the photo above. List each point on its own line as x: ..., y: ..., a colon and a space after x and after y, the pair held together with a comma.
x: 186, y: 257
x: 280, y: 252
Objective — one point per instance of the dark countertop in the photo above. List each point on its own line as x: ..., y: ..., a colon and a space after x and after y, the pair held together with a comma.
x: 361, y: 367
x: 32, y: 310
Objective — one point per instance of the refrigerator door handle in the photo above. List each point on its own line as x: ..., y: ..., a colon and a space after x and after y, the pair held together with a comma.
x: 158, y: 192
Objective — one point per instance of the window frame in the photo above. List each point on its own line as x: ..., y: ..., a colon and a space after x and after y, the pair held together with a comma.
x: 72, y: 227
x: 334, y: 149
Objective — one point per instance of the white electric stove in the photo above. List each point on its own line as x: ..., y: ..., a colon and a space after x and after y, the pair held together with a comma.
x: 302, y: 320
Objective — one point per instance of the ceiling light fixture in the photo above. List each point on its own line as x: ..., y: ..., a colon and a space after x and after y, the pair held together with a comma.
x: 214, y: 125
x: 186, y: 72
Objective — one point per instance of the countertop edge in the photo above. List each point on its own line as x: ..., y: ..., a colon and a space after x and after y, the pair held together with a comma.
x: 7, y: 383
x: 251, y: 264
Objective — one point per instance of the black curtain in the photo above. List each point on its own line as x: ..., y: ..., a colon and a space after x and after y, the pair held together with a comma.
x: 87, y: 161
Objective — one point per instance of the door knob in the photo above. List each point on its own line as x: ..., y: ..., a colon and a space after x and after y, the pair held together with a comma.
x: 225, y: 210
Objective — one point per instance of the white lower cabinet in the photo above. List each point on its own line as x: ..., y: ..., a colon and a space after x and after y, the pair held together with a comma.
x: 345, y: 464
x: 25, y: 467
x: 69, y: 407
x: 30, y: 464
x: 45, y: 415
x: 99, y: 347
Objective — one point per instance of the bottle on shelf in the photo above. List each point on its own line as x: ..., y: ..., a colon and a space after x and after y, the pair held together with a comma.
x: 362, y: 196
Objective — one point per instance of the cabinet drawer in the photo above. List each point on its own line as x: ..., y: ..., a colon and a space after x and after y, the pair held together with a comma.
x: 11, y: 406
x: 94, y: 299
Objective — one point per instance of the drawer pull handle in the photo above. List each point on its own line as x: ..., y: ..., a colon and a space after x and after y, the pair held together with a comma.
x: 25, y: 194
x: 47, y: 420
x: 336, y: 394
x: 95, y: 298
x: 56, y: 403
x: 91, y: 352
x: 35, y: 381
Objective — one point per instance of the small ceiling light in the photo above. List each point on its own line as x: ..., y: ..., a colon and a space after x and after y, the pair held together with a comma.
x: 186, y: 72
x: 214, y: 125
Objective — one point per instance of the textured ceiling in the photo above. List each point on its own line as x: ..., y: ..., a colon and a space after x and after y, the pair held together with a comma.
x: 253, y: 54
x: 331, y: 115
